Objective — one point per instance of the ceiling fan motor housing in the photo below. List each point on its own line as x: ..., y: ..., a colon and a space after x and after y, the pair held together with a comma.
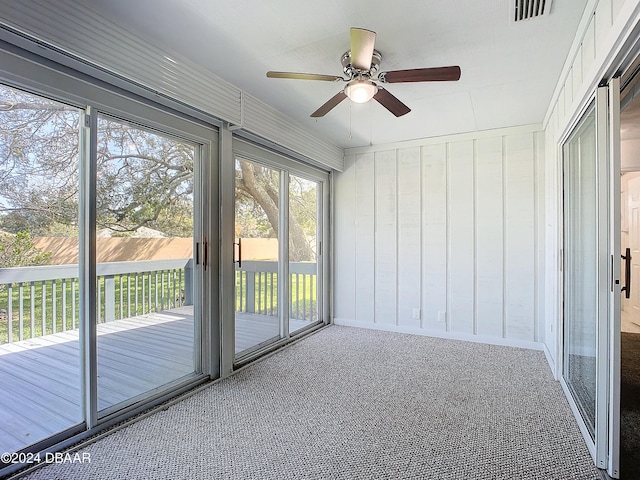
x: 352, y: 72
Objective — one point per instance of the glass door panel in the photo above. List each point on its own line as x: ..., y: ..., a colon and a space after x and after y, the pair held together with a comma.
x: 303, y: 252
x: 146, y: 277
x: 39, y: 292
x: 257, y: 217
x: 587, y: 274
x: 580, y: 268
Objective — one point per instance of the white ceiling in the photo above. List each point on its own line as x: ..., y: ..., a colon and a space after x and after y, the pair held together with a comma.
x: 509, y: 70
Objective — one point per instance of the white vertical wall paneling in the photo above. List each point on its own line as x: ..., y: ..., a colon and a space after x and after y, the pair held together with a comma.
x: 568, y: 88
x: 447, y: 227
x: 561, y: 105
x: 365, y: 238
x: 345, y: 236
x: 540, y: 176
x: 577, y: 73
x: 386, y: 231
x: 616, y: 5
x: 461, y: 288
x: 409, y: 236
x: 603, y: 23
x: 489, y: 236
x: 520, y: 236
x: 589, y: 46
x: 434, y: 235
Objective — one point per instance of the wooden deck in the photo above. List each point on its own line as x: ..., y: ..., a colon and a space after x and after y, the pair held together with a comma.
x: 40, y: 378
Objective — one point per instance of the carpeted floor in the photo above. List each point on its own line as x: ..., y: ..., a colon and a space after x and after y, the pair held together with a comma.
x: 630, y: 406
x: 352, y: 404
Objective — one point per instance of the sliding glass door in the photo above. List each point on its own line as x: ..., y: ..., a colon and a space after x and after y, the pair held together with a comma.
x: 279, y: 219
x: 257, y: 200
x: 104, y: 219
x: 147, y: 286
x: 590, y: 278
x: 581, y: 264
x: 304, y: 244
x: 40, y: 360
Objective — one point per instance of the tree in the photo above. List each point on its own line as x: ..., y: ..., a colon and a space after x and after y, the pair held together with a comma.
x: 38, y: 145
x: 19, y: 251
x: 257, y: 209
x: 144, y: 178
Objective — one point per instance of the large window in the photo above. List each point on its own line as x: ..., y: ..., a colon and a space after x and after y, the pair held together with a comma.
x: 145, y: 194
x: 279, y: 219
x: 40, y: 317
x: 102, y: 259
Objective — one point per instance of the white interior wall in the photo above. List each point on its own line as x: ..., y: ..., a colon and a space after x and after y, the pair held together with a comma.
x: 605, y: 28
x: 443, y: 237
x: 630, y: 155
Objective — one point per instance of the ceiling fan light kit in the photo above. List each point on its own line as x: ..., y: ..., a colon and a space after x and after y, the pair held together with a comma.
x: 360, y: 91
x: 361, y: 65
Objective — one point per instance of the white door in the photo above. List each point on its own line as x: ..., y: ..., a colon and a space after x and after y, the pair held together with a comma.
x: 633, y: 304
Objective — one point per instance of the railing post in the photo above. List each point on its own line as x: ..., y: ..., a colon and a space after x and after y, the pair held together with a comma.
x: 109, y: 298
x: 188, y: 283
x: 251, y: 292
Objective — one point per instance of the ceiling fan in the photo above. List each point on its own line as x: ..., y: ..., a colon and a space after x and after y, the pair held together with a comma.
x: 360, y: 65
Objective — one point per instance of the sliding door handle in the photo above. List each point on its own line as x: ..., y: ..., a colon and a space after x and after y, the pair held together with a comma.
x: 239, y: 244
x: 205, y: 253
x: 627, y: 273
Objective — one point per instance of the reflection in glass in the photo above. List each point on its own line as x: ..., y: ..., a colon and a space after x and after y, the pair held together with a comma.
x: 39, y: 293
x: 145, y: 285
x: 303, y: 241
x: 257, y: 216
x: 580, y: 276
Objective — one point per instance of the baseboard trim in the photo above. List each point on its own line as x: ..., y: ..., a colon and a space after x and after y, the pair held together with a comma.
x: 550, y: 360
x: 466, y: 337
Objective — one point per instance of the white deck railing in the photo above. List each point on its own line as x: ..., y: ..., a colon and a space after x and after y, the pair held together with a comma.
x: 257, y: 288
x: 36, y: 301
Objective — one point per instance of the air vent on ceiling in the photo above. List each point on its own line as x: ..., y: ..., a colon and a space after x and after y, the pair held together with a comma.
x: 525, y: 9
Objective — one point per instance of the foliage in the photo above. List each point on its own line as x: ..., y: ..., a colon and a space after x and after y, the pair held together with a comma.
x: 144, y: 178
x: 19, y: 251
x: 257, y: 208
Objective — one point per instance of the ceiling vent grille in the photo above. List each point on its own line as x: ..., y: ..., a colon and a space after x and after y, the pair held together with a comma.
x: 525, y: 9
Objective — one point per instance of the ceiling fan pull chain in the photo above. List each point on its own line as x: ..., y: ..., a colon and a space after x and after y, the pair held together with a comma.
x: 371, y: 124
x: 350, y: 119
